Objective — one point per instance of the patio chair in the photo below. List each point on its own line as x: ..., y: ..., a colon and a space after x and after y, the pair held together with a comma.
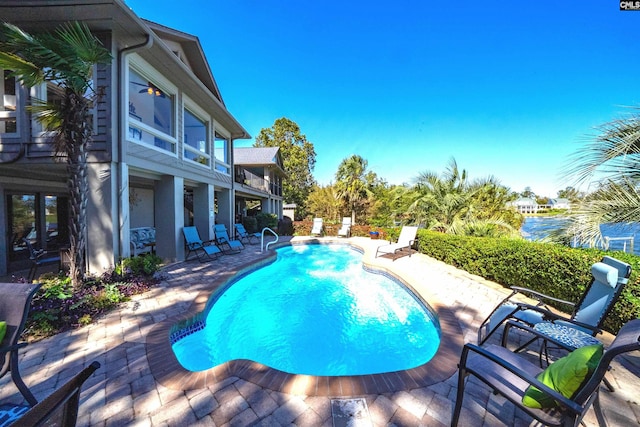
x: 242, y: 234
x: 227, y: 245
x: 58, y: 409
x: 404, y: 244
x: 40, y: 257
x: 345, y: 230
x: 204, y: 250
x: 510, y: 375
x: 317, y: 228
x: 610, y: 276
x: 15, y: 301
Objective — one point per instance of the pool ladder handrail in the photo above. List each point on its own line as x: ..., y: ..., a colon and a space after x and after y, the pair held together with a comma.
x: 262, y: 247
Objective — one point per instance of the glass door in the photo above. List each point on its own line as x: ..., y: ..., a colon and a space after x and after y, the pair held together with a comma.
x: 22, y: 224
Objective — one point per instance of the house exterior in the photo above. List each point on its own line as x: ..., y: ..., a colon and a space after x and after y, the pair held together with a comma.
x: 258, y: 176
x: 560, y: 203
x: 162, y: 150
x: 526, y: 205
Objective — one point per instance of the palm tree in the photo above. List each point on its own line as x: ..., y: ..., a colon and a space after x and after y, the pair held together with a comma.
x: 66, y: 58
x: 611, y: 161
x: 351, y: 183
x: 449, y: 203
x: 441, y: 199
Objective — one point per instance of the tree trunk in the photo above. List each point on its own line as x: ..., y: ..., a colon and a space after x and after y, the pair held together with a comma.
x: 76, y: 135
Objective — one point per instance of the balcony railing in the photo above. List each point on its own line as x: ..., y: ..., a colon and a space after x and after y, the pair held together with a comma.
x: 243, y: 176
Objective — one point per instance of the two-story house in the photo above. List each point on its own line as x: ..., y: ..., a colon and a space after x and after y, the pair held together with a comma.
x: 258, y: 176
x: 162, y: 150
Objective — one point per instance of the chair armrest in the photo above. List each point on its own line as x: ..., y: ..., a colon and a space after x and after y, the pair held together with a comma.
x: 540, y: 296
x: 8, y: 348
x: 558, y: 397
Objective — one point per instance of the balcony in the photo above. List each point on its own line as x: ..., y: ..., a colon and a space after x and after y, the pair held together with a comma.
x: 250, y: 179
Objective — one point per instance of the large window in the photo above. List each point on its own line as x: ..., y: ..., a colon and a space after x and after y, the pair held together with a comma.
x: 196, y: 142
x: 151, y: 113
x: 8, y: 93
x: 223, y: 154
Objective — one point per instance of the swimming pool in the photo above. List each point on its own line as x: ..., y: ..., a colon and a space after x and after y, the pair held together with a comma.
x: 296, y: 316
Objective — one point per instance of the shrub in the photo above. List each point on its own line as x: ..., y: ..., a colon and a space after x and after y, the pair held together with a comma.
x: 266, y: 220
x: 555, y: 270
x: 57, y: 306
x: 250, y: 224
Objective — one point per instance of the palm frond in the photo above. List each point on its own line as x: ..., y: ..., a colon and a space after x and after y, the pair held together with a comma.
x: 25, y: 71
x: 614, y: 151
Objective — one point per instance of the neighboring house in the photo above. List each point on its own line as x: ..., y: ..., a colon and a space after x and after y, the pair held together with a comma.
x: 560, y: 203
x: 258, y: 175
x: 162, y: 150
x: 526, y: 205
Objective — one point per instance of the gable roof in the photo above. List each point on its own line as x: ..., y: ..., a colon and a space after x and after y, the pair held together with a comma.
x: 255, y: 155
x: 195, y: 57
x: 258, y: 156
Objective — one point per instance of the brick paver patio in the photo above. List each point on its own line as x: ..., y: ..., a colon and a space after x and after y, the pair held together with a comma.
x: 126, y: 391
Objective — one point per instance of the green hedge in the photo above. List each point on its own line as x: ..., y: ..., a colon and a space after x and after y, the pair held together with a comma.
x: 555, y: 270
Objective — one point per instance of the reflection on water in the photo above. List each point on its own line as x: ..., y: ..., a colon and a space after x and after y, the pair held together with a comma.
x: 537, y: 228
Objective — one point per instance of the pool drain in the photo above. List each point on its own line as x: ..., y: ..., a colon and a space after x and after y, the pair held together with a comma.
x: 350, y: 413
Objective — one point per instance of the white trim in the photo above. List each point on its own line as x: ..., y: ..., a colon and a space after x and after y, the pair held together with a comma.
x: 143, y: 68
x: 200, y: 113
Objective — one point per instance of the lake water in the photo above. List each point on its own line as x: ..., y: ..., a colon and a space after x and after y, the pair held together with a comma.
x: 539, y: 227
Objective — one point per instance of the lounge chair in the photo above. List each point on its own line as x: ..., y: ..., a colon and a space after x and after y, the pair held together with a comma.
x: 404, y: 244
x: 510, y: 375
x: 242, y: 234
x: 227, y: 245
x: 609, y: 279
x: 345, y: 230
x: 40, y: 257
x: 15, y: 301
x: 317, y: 228
x: 204, y: 250
x: 60, y: 408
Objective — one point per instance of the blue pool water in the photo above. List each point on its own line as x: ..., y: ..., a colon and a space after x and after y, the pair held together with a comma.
x: 315, y: 311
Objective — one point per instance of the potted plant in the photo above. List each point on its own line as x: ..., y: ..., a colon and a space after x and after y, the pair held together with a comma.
x: 374, y: 234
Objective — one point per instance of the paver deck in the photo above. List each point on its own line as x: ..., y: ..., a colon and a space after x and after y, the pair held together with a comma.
x: 136, y: 384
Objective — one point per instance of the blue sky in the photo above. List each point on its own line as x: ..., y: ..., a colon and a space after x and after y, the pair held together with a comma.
x: 509, y: 89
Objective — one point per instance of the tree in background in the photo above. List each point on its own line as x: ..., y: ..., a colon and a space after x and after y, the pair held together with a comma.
x: 528, y: 193
x: 66, y: 58
x: 610, y: 160
x: 449, y: 203
x: 571, y: 194
x: 351, y: 183
x: 324, y: 202
x: 298, y: 158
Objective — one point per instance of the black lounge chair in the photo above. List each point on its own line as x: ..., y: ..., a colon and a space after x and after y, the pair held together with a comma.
x: 40, y: 257
x: 59, y: 409
x: 15, y: 301
x: 204, y: 250
x: 510, y: 375
x: 609, y: 279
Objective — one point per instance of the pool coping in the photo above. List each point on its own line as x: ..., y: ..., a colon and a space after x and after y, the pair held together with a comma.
x: 166, y: 369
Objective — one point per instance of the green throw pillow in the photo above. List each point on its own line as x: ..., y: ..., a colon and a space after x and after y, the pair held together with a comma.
x: 565, y: 376
x: 3, y: 330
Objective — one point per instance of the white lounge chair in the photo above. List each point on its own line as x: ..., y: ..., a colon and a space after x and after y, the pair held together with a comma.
x: 405, y: 241
x: 345, y: 230
x: 317, y: 227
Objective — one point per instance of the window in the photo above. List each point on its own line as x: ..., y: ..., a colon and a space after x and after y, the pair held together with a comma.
x: 151, y: 117
x: 53, y: 93
x: 8, y: 93
x: 222, y: 152
x: 196, y: 143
